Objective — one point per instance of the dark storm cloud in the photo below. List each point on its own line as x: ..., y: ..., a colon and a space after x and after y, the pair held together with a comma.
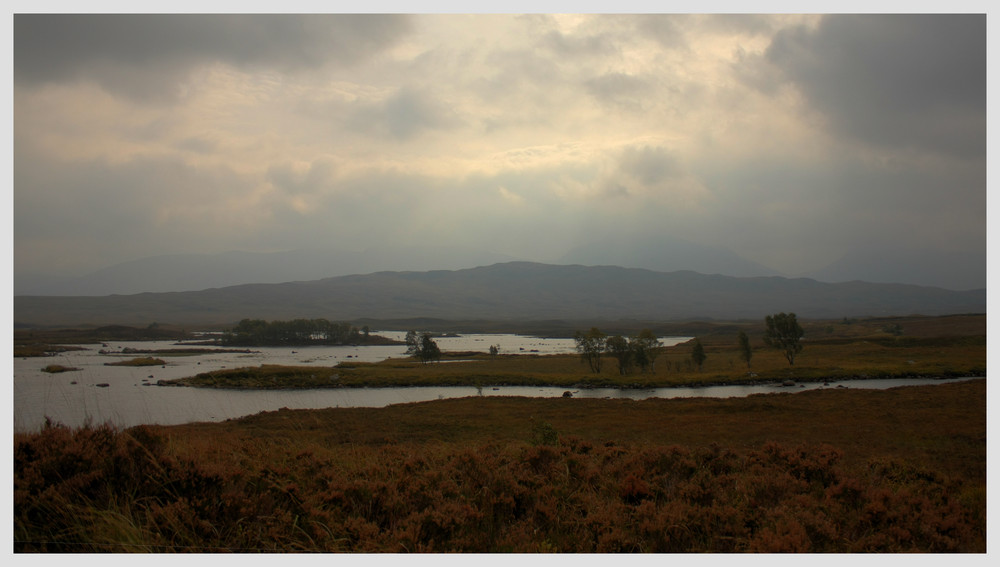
x: 914, y: 81
x: 124, y: 52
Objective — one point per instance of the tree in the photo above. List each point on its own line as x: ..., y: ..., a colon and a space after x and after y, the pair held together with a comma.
x: 428, y: 349
x: 619, y: 347
x: 590, y: 345
x: 422, y: 346
x: 698, y: 354
x: 645, y: 347
x: 783, y: 332
x: 412, y: 343
x: 746, y: 353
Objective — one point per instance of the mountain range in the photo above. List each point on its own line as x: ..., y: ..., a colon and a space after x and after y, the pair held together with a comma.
x: 505, y: 291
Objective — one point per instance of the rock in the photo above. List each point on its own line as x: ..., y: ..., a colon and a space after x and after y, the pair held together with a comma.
x: 567, y: 394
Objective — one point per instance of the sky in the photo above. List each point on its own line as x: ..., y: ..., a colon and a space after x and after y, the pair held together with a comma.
x: 791, y: 140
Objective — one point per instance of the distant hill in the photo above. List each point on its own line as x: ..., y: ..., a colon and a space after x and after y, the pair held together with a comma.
x: 195, y: 272
x: 508, y: 291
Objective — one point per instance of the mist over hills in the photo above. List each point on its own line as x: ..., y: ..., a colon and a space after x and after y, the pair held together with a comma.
x: 664, y: 255
x: 880, y: 265
x: 506, y: 291
x: 194, y: 272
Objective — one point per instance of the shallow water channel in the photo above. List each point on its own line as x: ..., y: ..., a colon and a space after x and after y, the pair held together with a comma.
x: 128, y: 396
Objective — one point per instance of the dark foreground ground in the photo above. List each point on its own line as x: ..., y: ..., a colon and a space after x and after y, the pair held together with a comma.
x: 899, y: 470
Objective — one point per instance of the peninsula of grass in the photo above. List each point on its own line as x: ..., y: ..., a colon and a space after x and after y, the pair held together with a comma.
x: 141, y: 361
x: 37, y: 350
x: 265, y: 377
x: 829, y: 357
x: 179, y: 351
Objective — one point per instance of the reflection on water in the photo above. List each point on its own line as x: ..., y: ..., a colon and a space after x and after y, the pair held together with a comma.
x: 131, y: 398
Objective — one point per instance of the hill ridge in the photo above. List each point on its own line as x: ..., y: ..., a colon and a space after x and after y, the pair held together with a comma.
x: 515, y: 290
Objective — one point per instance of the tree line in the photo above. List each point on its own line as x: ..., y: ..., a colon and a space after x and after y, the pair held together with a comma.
x: 298, y: 332
x: 782, y: 331
x: 636, y: 351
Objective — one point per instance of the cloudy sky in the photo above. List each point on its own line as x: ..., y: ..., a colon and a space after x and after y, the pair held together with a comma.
x: 793, y: 141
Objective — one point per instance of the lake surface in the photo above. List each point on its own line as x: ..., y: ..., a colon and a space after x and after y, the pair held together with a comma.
x: 128, y: 396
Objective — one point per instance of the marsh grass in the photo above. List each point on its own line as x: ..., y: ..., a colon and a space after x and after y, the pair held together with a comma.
x: 901, y: 470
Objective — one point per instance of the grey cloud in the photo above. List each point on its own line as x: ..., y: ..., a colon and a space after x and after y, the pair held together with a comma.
x: 519, y: 73
x: 197, y: 145
x: 755, y: 24
x: 666, y: 29
x: 578, y: 45
x: 315, y: 179
x: 650, y: 166
x: 142, y: 53
x: 895, y: 80
x: 619, y: 89
x: 120, y: 211
x: 405, y: 115
x: 848, y: 204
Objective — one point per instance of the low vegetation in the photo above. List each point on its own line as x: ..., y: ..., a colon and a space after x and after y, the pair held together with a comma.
x: 900, y: 470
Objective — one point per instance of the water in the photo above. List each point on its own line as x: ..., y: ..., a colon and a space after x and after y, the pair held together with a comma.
x: 130, y: 396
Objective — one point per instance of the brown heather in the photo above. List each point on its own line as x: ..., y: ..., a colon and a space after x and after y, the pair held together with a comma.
x: 900, y: 470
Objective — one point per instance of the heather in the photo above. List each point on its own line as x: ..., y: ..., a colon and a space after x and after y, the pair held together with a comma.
x: 901, y: 470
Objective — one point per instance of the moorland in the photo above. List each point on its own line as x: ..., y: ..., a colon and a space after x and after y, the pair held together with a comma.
x: 899, y: 470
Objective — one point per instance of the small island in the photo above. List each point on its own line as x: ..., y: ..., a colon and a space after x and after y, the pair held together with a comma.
x: 58, y: 368
x: 141, y: 361
x: 299, y: 332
